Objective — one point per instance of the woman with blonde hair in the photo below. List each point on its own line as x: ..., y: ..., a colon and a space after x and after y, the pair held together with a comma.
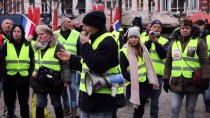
x: 134, y: 63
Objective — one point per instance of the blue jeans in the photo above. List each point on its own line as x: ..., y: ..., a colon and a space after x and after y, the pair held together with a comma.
x: 206, y: 94
x: 105, y: 114
x: 42, y: 99
x: 73, y: 92
x: 176, y: 103
x: 154, y: 108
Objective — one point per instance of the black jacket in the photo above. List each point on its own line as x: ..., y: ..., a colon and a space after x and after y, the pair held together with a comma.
x: 98, y: 61
x: 16, y: 79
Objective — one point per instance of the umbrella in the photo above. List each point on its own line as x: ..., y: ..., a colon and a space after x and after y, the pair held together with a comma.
x: 55, y: 20
x: 198, y: 16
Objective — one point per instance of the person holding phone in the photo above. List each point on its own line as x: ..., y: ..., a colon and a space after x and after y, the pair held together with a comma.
x: 157, y: 47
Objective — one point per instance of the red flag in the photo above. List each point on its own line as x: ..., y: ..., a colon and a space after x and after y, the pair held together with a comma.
x: 94, y: 8
x: 30, y: 13
x: 55, y: 20
x: 117, y: 14
x: 110, y: 16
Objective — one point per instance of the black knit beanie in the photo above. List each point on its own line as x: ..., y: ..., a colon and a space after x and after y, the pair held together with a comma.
x: 137, y: 21
x: 156, y: 22
x: 95, y: 19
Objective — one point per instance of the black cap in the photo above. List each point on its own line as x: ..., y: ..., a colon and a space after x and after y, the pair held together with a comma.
x: 156, y: 22
x: 95, y: 19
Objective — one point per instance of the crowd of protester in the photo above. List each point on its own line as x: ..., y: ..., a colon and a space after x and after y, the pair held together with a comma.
x: 56, y: 63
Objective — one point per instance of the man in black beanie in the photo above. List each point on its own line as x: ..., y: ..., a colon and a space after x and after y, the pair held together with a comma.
x: 157, y: 47
x: 100, y: 57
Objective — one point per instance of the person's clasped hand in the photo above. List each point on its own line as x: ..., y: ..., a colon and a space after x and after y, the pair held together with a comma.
x: 63, y: 55
x: 152, y: 37
x: 166, y: 85
x: 84, y: 38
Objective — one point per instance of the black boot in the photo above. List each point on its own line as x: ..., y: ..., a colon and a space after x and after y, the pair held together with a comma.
x: 39, y: 112
x: 59, y: 112
x: 138, y: 112
x: 207, y: 105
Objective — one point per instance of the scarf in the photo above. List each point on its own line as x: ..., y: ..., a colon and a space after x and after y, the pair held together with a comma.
x: 133, y: 63
x: 151, y: 75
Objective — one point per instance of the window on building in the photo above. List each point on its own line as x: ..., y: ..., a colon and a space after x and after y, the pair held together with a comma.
x: 128, y: 5
x: 44, y: 6
x: 81, y: 6
x: 17, y: 6
x: 68, y: 7
x: 139, y: 5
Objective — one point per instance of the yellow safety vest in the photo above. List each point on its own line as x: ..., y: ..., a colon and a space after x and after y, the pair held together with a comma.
x: 180, y: 60
x: 158, y: 63
x: 71, y: 43
x: 142, y: 70
x: 143, y: 34
x: 113, y: 70
x: 208, y: 43
x: 48, y: 60
x: 16, y: 63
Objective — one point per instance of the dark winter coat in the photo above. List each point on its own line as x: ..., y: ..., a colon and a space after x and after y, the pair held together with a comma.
x: 98, y: 61
x: 64, y: 70
x: 181, y: 84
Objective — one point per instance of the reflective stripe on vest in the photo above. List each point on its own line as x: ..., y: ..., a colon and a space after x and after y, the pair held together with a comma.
x: 48, y: 60
x: 158, y: 63
x: 208, y: 43
x: 16, y: 64
x: 71, y: 43
x: 180, y: 65
x: 114, y: 70
x: 142, y: 70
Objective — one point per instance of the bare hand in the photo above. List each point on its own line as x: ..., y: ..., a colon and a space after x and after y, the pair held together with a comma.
x: 153, y: 38
x: 63, y: 55
x: 34, y: 74
x: 66, y: 84
x: 84, y: 39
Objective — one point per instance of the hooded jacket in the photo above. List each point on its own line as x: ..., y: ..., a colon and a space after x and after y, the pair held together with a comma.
x: 181, y: 84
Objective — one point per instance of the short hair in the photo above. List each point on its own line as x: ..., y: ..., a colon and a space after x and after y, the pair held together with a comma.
x: 200, y: 22
x: 186, y: 22
x: 64, y: 19
x: 44, y: 28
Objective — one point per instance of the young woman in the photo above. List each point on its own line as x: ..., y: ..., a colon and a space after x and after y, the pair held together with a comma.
x: 17, y: 64
x: 134, y: 70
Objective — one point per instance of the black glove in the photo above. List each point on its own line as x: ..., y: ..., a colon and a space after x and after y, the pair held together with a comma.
x: 166, y: 85
x: 205, y: 84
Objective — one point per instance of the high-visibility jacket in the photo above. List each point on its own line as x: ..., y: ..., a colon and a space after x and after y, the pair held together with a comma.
x: 48, y: 60
x: 143, y: 34
x: 71, y: 43
x: 182, y: 64
x: 158, y: 63
x: 113, y: 70
x: 208, y: 43
x: 142, y: 70
x: 16, y: 63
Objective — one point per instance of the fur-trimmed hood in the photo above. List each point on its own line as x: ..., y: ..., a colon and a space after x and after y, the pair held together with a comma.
x: 194, y: 33
x: 52, y: 42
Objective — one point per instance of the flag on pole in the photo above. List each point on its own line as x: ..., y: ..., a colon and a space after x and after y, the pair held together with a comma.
x: 116, y: 25
x: 28, y: 25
